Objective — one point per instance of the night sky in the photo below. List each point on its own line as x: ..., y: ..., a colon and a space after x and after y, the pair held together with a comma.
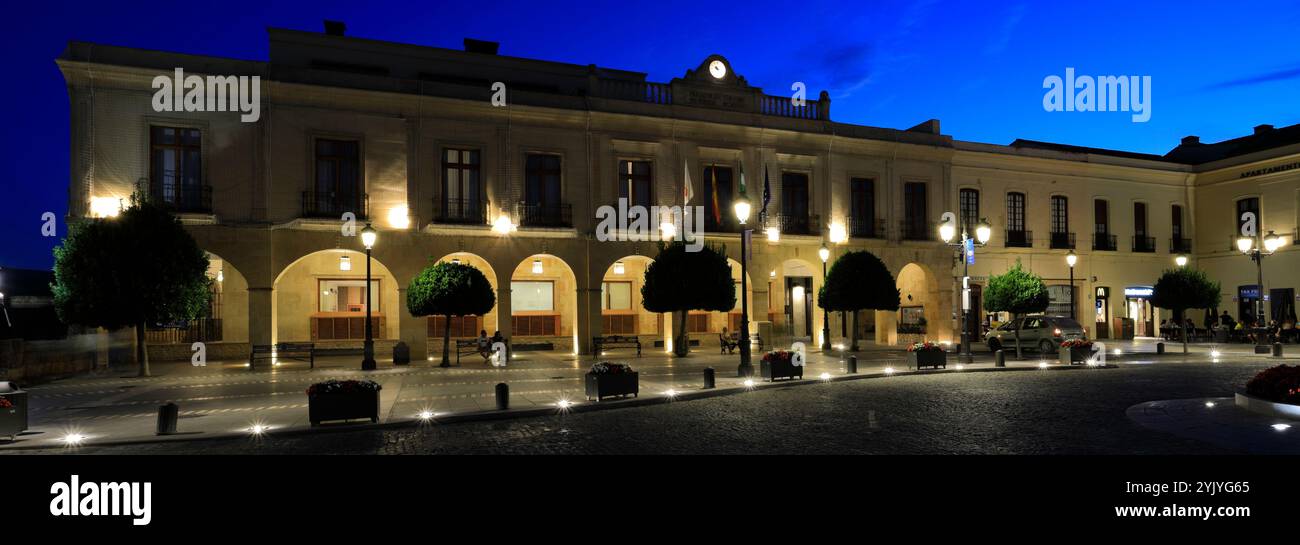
x: 1217, y: 69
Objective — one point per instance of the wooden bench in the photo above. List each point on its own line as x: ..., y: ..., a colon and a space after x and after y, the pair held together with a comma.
x: 600, y: 343
x: 292, y: 351
x: 466, y: 347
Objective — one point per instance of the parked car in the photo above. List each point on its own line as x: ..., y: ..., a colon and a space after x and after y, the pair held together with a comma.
x: 1042, y: 332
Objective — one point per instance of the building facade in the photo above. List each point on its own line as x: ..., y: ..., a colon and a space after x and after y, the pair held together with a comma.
x: 503, y: 163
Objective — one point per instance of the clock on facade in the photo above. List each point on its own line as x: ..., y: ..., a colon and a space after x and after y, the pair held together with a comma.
x: 717, y: 69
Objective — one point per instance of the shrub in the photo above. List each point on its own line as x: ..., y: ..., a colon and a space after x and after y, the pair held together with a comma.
x: 778, y: 355
x: 5, y: 403
x: 926, y: 346
x: 343, y: 387
x: 1280, y: 384
x: 610, y: 368
x: 1076, y: 343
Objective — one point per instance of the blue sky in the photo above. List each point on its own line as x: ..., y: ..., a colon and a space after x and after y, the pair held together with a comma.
x: 1217, y: 69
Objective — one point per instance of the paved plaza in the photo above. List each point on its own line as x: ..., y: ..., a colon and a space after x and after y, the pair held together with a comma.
x: 226, y: 399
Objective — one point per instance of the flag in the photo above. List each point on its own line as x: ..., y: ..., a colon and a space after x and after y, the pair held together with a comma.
x: 687, y: 191
x: 767, y: 195
x: 717, y: 212
x: 742, y: 178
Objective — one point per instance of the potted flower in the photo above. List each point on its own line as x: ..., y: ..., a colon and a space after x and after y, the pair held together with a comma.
x: 343, y: 400
x: 927, y: 354
x: 779, y: 364
x: 1075, y: 351
x: 607, y: 379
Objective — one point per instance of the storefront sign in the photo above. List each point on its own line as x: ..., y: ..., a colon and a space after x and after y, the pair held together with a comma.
x: 1139, y: 292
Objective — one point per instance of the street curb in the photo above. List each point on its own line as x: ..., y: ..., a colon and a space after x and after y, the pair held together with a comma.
x: 578, y: 407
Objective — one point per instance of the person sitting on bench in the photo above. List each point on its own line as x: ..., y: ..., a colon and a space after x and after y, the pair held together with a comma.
x: 728, y: 345
x: 484, y: 347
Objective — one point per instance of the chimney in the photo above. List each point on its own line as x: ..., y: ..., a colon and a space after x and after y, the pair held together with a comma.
x: 1261, y: 129
x: 1190, y: 140
x: 335, y: 28
x: 481, y: 46
x: 930, y: 126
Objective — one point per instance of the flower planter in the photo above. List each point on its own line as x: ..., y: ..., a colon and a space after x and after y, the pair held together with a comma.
x: 774, y: 369
x: 343, y: 406
x: 13, y: 417
x: 603, y: 385
x: 1069, y: 355
x: 928, y: 358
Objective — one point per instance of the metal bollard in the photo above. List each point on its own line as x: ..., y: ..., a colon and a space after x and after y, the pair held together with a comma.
x: 999, y: 359
x: 503, y: 396
x: 167, y: 416
x: 710, y: 381
x: 1277, y: 350
x: 1160, y: 348
x: 851, y: 365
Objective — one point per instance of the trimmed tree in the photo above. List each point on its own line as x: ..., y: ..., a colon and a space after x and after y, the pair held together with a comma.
x: 139, y: 268
x: 858, y: 281
x: 1018, y: 292
x: 680, y: 281
x: 449, y: 289
x: 1182, y: 289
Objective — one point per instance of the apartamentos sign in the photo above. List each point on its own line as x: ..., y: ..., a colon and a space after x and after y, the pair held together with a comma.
x: 1270, y: 170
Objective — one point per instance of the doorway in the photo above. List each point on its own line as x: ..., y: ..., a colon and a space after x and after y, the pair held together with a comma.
x: 798, y: 308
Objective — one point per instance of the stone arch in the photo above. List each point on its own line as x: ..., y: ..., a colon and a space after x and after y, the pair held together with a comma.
x: 541, y: 312
x: 317, y: 297
x: 920, y: 314
x: 488, y: 322
x: 230, y: 301
x: 793, y: 294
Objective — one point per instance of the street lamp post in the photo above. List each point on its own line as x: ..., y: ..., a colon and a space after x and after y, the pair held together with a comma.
x: 1247, y: 245
x: 825, y: 254
x: 982, y: 234
x: 745, y: 369
x: 1070, y: 259
x: 368, y: 236
x: 1181, y: 260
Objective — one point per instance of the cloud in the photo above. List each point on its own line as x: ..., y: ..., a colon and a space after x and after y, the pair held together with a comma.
x: 1266, y: 77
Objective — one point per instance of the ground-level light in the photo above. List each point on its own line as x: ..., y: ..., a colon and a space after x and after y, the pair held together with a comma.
x: 889, y: 370
x: 825, y: 376
x: 73, y: 439
x: 749, y: 383
x: 1281, y: 427
x: 1209, y: 404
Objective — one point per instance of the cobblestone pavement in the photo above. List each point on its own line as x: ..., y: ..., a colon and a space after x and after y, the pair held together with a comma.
x: 1025, y: 412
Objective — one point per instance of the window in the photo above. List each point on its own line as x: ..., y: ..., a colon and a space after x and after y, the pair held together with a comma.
x: 1060, y: 214
x: 1140, y: 219
x: 462, y: 194
x: 915, y: 217
x: 862, y: 207
x: 717, y: 198
x: 1176, y: 213
x: 347, y: 295
x: 794, y: 203
x: 969, y: 201
x: 175, y: 169
x: 1016, y: 212
x: 532, y: 297
x: 635, y: 183
x: 542, y: 180
x: 1101, y: 216
x: 338, y: 178
x: 616, y: 296
x: 1251, y: 205
x: 1059, y: 298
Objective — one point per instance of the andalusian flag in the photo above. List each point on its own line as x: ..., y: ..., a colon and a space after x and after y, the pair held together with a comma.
x: 687, y: 191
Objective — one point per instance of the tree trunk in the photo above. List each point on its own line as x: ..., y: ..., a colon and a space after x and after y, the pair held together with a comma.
x: 446, y: 340
x: 854, y: 344
x: 141, y: 350
x: 681, y: 342
x: 1019, y: 355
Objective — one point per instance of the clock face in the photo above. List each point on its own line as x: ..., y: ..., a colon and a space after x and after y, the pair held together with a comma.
x: 717, y: 69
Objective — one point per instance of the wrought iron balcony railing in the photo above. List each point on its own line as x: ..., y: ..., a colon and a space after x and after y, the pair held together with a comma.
x: 917, y: 230
x: 180, y: 198
x: 1061, y: 241
x: 792, y: 224
x: 1019, y: 239
x: 330, y: 204
x: 1144, y: 244
x: 1104, y: 242
x: 1180, y: 245
x: 862, y: 228
x: 545, y: 215
x: 461, y: 211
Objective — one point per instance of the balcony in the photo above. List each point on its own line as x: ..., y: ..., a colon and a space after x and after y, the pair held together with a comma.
x: 1180, y: 245
x: 1144, y: 244
x: 727, y: 225
x: 862, y: 228
x: 791, y: 224
x: 1104, y: 242
x: 330, y: 204
x: 179, y: 198
x: 917, y: 230
x: 545, y: 215
x: 1061, y: 241
x: 1020, y: 239
x: 461, y: 211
